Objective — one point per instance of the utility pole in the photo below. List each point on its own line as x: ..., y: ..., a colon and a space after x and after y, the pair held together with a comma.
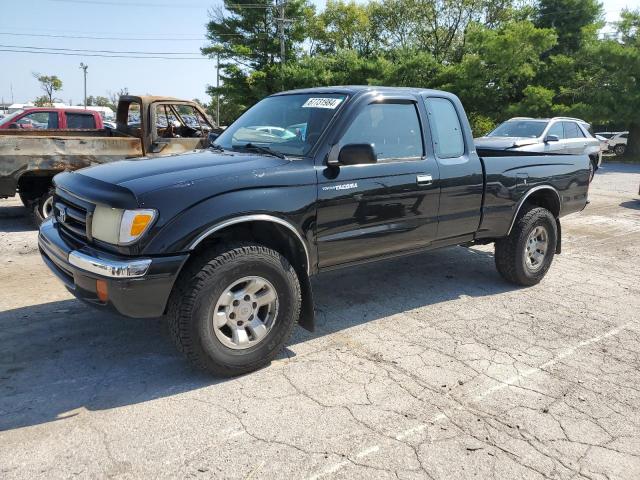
x: 84, y: 68
x: 11, y: 87
x: 218, y: 90
x: 282, y: 21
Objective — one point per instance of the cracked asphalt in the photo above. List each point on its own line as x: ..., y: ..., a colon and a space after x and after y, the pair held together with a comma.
x: 427, y: 367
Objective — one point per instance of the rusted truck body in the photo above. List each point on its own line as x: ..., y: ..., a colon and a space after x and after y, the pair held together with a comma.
x: 147, y: 126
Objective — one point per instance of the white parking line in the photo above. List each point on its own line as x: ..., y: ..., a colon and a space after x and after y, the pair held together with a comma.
x: 515, y: 380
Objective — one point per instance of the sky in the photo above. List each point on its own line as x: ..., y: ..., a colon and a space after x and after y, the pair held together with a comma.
x: 135, y: 25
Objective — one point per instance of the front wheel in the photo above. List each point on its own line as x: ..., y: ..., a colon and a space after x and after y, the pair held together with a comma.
x: 619, y: 149
x: 43, y: 207
x: 524, y: 257
x: 232, y: 311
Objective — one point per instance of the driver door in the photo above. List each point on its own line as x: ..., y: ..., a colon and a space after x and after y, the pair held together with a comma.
x: 177, y: 128
x: 375, y: 210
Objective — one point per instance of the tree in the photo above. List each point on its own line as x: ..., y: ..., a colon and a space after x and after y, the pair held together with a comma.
x: 114, y: 97
x: 245, y: 35
x: 49, y: 84
x: 497, y: 67
x: 571, y: 19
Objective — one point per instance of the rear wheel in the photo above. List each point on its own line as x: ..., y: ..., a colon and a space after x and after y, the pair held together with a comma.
x: 524, y: 257
x: 232, y: 311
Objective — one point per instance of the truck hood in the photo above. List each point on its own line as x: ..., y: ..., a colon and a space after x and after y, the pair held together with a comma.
x: 503, y: 143
x: 141, y: 176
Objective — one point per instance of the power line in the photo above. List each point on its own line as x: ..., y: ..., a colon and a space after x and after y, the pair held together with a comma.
x: 87, y: 37
x: 99, y: 51
x: 100, y: 55
x: 162, y: 5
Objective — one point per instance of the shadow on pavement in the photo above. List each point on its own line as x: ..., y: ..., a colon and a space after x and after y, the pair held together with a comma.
x: 15, y: 218
x: 633, y: 204
x: 61, y: 356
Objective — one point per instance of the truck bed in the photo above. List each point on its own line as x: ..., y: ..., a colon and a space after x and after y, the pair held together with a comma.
x: 510, y: 176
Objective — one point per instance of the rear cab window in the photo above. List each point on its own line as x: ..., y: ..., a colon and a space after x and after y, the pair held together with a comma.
x: 446, y: 129
x: 80, y: 121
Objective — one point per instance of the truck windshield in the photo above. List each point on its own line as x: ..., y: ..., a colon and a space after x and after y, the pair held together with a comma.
x: 519, y: 128
x: 289, y: 124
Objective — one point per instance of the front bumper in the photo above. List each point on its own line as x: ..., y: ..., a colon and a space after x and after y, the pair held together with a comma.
x: 136, y: 287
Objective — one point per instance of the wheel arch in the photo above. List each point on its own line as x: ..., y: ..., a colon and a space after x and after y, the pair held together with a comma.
x: 273, y: 232
x: 33, y: 184
x: 544, y: 196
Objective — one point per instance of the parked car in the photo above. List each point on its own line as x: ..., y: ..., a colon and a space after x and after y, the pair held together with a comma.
x: 223, y: 241
x: 52, y: 119
x: 616, y: 141
x: 562, y: 135
x: 30, y: 157
x: 604, y: 143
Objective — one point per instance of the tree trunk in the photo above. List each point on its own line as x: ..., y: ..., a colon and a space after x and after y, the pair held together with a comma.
x: 633, y: 142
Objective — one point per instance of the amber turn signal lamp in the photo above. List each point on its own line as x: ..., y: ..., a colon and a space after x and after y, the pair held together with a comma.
x: 102, y: 290
x: 139, y: 223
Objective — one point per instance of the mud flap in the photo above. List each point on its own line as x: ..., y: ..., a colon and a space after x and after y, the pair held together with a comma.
x: 559, y: 242
x: 307, y: 312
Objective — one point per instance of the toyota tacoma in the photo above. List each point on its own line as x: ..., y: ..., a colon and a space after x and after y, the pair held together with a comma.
x: 223, y: 241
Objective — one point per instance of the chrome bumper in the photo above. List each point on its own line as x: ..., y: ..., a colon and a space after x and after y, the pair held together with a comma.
x: 109, y: 268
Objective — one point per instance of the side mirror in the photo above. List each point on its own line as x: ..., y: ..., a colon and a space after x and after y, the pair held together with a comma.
x: 357, y: 154
x: 551, y: 138
x: 13, y: 125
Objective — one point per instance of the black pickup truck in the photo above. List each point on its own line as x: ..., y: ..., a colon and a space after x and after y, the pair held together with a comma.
x: 223, y: 241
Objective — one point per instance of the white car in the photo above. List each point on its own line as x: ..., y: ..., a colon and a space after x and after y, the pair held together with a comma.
x: 616, y: 141
x: 561, y: 135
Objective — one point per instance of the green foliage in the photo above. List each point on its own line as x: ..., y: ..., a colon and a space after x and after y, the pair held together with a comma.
x: 480, y: 125
x: 573, y: 20
x: 42, y: 101
x: 50, y: 84
x: 501, y: 57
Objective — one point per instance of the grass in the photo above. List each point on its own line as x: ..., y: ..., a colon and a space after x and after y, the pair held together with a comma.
x: 623, y: 159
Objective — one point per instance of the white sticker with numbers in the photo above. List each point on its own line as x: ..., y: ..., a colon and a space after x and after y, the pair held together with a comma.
x: 330, y: 103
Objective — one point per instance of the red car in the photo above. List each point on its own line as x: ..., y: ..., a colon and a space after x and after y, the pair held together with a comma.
x: 53, y: 119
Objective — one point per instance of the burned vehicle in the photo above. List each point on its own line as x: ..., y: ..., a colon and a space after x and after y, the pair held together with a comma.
x: 147, y: 126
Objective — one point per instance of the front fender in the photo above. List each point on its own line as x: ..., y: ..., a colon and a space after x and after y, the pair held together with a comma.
x: 294, y: 204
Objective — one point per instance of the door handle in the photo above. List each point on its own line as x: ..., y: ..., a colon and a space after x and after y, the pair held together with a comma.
x: 424, y: 179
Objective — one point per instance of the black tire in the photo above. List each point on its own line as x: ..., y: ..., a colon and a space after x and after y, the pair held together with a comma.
x: 592, y: 170
x: 510, y: 251
x: 195, y: 295
x: 26, y: 201
x: 41, y: 207
x: 619, y: 149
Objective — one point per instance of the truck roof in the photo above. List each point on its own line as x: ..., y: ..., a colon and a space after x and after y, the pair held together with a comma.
x: 353, y: 89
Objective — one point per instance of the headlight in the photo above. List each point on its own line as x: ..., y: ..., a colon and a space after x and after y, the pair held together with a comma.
x: 120, y: 227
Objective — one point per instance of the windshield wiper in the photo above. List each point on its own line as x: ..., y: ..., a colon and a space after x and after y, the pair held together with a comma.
x: 261, y: 149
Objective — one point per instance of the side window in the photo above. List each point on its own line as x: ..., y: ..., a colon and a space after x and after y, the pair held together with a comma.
x: 571, y: 130
x: 557, y: 130
x: 39, y: 120
x: 80, y: 121
x: 624, y: 135
x: 445, y: 127
x: 392, y: 128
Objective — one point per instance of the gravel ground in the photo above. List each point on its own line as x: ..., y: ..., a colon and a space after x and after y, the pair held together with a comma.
x: 423, y: 367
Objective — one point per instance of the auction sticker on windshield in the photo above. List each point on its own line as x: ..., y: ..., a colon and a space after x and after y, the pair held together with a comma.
x: 322, y: 103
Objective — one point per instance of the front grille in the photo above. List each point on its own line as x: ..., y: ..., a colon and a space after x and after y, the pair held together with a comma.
x: 73, y: 215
